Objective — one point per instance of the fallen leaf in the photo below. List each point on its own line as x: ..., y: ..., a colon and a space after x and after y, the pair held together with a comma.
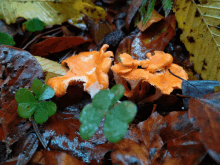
x: 98, y: 30
x: 57, y: 44
x: 205, y: 114
x: 51, y: 68
x: 133, y: 8
x: 156, y: 37
x: 18, y: 68
x: 51, y: 13
x: 155, y: 17
x: 200, y: 24
x: 130, y: 152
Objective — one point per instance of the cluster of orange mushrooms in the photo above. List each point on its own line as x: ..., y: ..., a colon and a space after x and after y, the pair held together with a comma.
x: 91, y: 69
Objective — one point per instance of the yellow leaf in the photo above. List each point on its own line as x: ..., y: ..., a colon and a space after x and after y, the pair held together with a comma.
x: 201, y: 34
x: 51, y: 68
x: 49, y: 12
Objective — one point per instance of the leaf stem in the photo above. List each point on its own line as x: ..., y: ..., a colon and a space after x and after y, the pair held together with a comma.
x: 36, y: 129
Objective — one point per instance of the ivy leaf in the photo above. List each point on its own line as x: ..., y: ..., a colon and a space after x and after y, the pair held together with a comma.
x: 167, y: 6
x: 118, y: 91
x: 117, y: 120
x: 102, y: 100
x: 6, y: 39
x: 26, y: 103
x: 43, y: 111
x: 42, y: 91
x: 90, y: 118
x: 35, y: 24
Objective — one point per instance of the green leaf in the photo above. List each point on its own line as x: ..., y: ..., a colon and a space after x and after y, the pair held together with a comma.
x: 6, y: 39
x: 90, y: 118
x: 125, y: 111
x: 167, y: 6
x: 23, y: 95
x: 40, y: 117
x: 118, y: 91
x: 117, y: 120
x: 43, y: 111
x: 26, y: 110
x: 35, y: 24
x: 42, y: 91
x: 102, y: 99
x: 114, y: 129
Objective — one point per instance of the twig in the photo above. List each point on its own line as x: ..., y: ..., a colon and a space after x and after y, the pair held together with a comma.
x: 36, y: 129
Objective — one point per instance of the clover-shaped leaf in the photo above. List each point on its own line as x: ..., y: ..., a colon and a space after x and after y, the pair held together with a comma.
x: 26, y: 103
x: 118, y: 91
x: 90, y: 117
x: 42, y: 91
x: 43, y: 111
x: 117, y: 120
x: 6, y: 39
x: 35, y: 24
x: 102, y: 99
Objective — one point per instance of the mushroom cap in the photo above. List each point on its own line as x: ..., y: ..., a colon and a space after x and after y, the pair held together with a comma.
x: 90, y: 68
x: 154, y: 71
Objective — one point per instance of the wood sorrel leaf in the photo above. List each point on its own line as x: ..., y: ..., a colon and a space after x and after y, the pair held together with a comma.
x: 42, y: 91
x: 35, y: 24
x: 90, y: 118
x: 118, y: 91
x: 23, y: 95
x: 117, y: 120
x: 43, y: 111
x: 102, y: 100
x: 26, y: 102
x: 6, y: 39
x: 26, y: 110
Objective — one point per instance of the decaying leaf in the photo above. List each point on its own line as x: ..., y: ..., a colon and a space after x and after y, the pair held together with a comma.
x: 200, y: 24
x: 90, y: 68
x: 57, y: 44
x: 155, y: 17
x: 51, y: 68
x: 18, y: 68
x: 156, y: 37
x: 51, y: 13
x: 205, y: 114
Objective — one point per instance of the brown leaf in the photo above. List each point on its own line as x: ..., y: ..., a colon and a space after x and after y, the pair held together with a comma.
x: 130, y: 152
x: 155, y: 17
x: 25, y: 148
x: 150, y: 129
x: 133, y: 8
x: 156, y: 37
x: 18, y: 68
x: 97, y: 30
x: 62, y: 130
x: 205, y: 113
x: 60, y: 158
x: 57, y: 44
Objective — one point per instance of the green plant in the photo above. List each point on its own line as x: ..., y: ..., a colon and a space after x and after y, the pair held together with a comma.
x: 34, y: 24
x: 117, y: 117
x: 29, y: 104
x: 6, y: 39
x: 145, y: 14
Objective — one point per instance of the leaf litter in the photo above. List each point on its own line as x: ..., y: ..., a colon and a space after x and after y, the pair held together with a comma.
x: 167, y: 135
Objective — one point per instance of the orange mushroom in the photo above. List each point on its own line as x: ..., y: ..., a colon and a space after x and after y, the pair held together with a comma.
x: 90, y: 68
x: 153, y: 71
